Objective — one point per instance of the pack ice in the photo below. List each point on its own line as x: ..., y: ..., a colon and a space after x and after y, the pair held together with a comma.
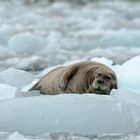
x: 12, y: 81
x: 84, y: 114
x: 26, y: 42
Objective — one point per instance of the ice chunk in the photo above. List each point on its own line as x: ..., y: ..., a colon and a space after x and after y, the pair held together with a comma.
x: 33, y: 63
x: 119, y: 38
x: 4, y: 37
x: 16, y: 78
x: 54, y: 42
x: 67, y: 136
x: 84, y: 114
x: 133, y: 63
x: 5, y: 53
x: 17, y: 136
x: 103, y: 60
x: 27, y: 94
x: 7, y: 91
x: 129, y: 75
x: 26, y: 42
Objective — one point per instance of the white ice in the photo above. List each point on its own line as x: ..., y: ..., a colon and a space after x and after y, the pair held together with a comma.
x: 35, y: 37
x: 129, y: 75
x: 7, y: 91
x: 119, y: 38
x: 65, y: 35
x: 4, y: 37
x: 84, y: 114
x: 16, y: 78
x: 26, y: 42
x: 66, y: 136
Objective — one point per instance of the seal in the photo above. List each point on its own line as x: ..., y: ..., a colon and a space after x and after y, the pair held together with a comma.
x: 82, y: 77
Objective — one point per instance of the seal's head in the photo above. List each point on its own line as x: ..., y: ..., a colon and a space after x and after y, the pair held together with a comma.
x: 104, y: 81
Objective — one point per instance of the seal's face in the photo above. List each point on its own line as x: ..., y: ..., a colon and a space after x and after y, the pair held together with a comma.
x: 104, y: 82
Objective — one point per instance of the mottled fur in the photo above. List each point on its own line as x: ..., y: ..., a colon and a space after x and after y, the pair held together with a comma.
x: 82, y: 77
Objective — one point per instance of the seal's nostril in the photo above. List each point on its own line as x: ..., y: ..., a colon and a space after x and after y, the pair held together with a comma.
x: 100, y: 81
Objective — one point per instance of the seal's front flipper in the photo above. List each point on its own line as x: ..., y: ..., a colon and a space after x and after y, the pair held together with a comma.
x: 67, y: 76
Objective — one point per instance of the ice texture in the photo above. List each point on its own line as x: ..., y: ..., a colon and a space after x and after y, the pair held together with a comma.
x: 67, y: 136
x: 16, y: 78
x: 4, y: 37
x: 7, y: 91
x: 74, y: 33
x: 86, y: 114
x: 119, y: 38
x: 129, y: 75
x: 26, y: 42
x: 70, y: 113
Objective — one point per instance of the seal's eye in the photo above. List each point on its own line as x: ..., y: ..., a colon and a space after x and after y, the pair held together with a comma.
x: 109, y: 77
x: 98, y: 74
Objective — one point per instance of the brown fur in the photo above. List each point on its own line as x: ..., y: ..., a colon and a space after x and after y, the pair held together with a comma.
x: 82, y: 77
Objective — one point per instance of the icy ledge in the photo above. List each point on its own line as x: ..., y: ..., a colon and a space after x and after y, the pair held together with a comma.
x: 83, y: 114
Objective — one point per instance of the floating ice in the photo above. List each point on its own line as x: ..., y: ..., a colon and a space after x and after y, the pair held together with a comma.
x: 84, y: 114
x: 5, y: 53
x: 68, y: 33
x: 119, y: 38
x: 26, y: 43
x: 16, y: 78
x: 129, y: 75
x: 7, y: 91
x: 33, y: 63
x: 4, y: 37
x: 17, y: 136
x: 67, y: 136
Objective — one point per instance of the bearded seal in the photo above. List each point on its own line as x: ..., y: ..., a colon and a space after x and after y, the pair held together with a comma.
x: 82, y: 77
